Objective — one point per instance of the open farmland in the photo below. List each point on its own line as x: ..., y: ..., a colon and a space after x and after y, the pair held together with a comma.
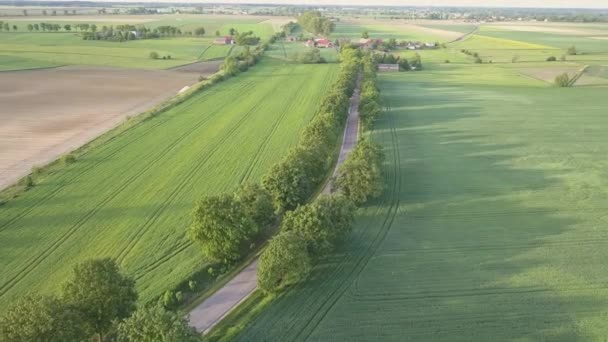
x: 41, y: 120
x: 491, y: 226
x: 29, y: 50
x: 130, y: 194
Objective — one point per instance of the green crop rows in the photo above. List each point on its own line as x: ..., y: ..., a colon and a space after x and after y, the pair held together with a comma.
x: 131, y: 197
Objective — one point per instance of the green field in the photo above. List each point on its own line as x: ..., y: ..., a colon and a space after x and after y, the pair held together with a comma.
x: 27, y: 50
x: 287, y: 50
x: 491, y: 226
x: 131, y: 196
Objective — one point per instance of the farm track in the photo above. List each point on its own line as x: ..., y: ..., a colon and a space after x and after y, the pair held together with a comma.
x: 31, y: 265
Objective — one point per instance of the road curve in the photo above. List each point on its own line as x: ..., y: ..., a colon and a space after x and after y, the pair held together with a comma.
x: 211, y: 311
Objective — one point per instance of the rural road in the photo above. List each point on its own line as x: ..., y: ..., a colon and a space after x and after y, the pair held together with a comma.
x: 211, y: 311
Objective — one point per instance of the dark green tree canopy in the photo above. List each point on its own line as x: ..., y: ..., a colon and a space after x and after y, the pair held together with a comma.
x: 257, y: 204
x: 222, y: 227
x: 156, y: 324
x: 360, y: 176
x: 100, y: 293
x: 321, y: 223
x: 40, y: 318
x: 284, y: 262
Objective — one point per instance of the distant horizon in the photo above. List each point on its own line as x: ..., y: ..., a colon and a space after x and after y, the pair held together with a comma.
x: 540, y: 4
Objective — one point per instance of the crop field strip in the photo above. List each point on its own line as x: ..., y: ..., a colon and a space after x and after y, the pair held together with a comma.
x: 496, y: 233
x: 256, y: 95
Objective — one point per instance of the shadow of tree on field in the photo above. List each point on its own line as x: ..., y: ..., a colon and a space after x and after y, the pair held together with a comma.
x: 452, y: 251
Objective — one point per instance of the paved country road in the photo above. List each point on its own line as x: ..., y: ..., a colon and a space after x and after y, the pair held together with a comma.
x: 210, y: 312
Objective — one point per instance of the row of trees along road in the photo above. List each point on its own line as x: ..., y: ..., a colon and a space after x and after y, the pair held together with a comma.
x: 314, y: 22
x: 312, y: 231
x: 229, y: 226
x: 96, y: 303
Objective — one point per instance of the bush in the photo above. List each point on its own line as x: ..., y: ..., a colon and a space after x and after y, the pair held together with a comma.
x: 69, y: 158
x: 179, y: 297
x: 155, y: 323
x: 551, y: 59
x: 28, y: 182
x: 192, y: 285
x: 153, y: 55
x: 562, y: 80
x: 572, y: 51
x: 447, y: 61
x: 168, y: 299
x: 284, y: 262
x: 478, y: 60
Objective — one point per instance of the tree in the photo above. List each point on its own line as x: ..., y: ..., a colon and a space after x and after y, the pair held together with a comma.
x: 232, y: 31
x: 360, y: 176
x: 67, y: 27
x: 100, y: 293
x: 230, y: 66
x: 7, y: 27
x: 572, y: 51
x: 365, y: 34
x: 40, y: 318
x: 153, y: 55
x: 25, y: 13
x: 217, y: 33
x: 562, y: 80
x: 321, y: 223
x: 257, y: 204
x: 222, y: 227
x: 199, y: 31
x: 284, y: 262
x: 30, y: 27
x: 551, y: 59
x: 311, y: 56
x: 157, y: 324
x: 291, y: 181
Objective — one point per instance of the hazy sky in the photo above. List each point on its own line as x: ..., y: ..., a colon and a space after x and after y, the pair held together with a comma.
x: 484, y: 3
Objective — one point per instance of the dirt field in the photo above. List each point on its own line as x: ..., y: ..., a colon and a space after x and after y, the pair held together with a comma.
x: 549, y: 74
x: 46, y: 113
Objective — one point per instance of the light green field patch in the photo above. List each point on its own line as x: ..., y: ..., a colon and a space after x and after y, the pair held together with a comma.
x: 15, y: 62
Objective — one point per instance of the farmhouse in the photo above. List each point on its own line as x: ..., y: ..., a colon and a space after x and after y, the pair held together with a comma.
x: 323, y: 43
x: 227, y: 40
x: 388, y: 67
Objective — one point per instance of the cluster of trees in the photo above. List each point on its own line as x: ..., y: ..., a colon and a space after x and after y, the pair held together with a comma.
x: 290, y: 28
x: 97, y: 301
x: 309, y: 56
x: 122, y: 33
x: 415, y: 63
x: 314, y: 22
x: 245, y: 38
x: 563, y: 80
x: 475, y: 55
x: 234, y: 65
x: 7, y: 27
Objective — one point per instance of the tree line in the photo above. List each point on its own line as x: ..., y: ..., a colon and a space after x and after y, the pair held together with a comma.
x: 415, y: 63
x: 312, y: 231
x: 315, y: 23
x: 97, y: 302
x: 229, y: 226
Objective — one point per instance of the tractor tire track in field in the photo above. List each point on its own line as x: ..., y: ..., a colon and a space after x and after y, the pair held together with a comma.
x: 133, y: 241
x: 93, y: 165
x: 262, y: 148
x: 364, y: 258
x: 31, y: 265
